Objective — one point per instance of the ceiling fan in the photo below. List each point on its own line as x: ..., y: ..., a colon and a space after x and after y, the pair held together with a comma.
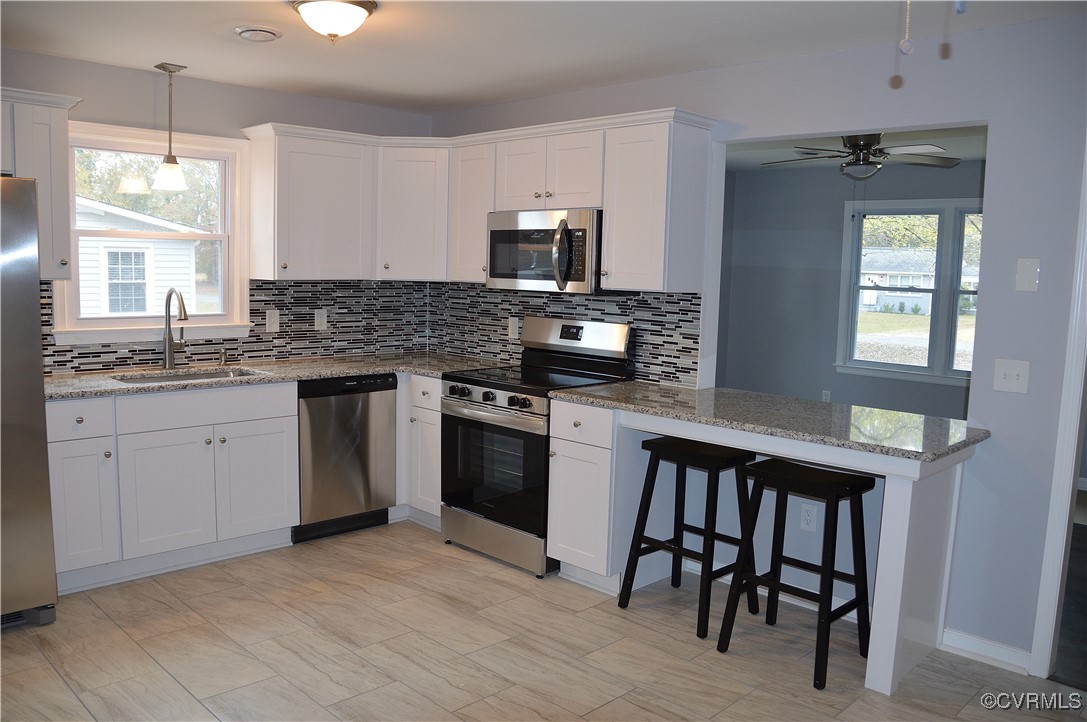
x: 863, y: 154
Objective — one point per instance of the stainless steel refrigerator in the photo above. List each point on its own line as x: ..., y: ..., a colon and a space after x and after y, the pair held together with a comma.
x: 28, y: 578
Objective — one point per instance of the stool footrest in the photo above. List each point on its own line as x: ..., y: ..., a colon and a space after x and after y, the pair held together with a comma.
x: 816, y: 569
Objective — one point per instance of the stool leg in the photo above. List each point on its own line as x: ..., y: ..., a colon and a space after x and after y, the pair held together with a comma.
x: 639, y: 530
x: 781, y: 507
x: 677, y: 522
x: 860, y: 572
x: 713, y: 479
x: 744, y: 573
x: 742, y: 502
x: 826, y: 590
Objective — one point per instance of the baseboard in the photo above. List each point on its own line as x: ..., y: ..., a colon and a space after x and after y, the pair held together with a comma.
x: 430, y: 521
x: 999, y: 655
x: 607, y: 585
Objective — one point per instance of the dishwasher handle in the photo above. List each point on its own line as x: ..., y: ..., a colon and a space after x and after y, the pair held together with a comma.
x: 315, y: 388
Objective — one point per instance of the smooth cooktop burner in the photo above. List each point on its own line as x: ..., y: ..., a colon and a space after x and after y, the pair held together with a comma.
x: 525, y: 379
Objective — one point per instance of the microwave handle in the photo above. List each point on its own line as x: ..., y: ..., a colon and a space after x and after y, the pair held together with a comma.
x: 560, y: 232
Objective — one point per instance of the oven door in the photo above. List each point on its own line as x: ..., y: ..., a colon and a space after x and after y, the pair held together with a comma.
x: 543, y: 250
x: 494, y: 464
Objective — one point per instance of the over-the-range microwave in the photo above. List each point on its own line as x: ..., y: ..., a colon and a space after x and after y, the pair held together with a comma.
x: 553, y: 250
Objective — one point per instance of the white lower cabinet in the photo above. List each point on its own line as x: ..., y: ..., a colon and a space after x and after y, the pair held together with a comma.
x: 579, y: 505
x: 83, y: 488
x: 256, y: 476
x: 425, y: 460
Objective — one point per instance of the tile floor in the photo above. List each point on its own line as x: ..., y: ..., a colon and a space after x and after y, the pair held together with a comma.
x: 392, y: 624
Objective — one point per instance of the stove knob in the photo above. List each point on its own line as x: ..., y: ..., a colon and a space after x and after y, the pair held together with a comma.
x: 525, y: 403
x: 488, y: 396
x: 453, y: 390
x: 513, y: 400
x: 464, y: 392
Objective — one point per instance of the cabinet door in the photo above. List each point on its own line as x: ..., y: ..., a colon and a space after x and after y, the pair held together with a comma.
x: 324, y: 209
x: 256, y: 476
x: 40, y: 144
x: 167, y: 485
x: 471, y: 195
x: 414, y: 214
x: 520, y: 174
x: 635, y: 205
x: 424, y: 464
x: 578, y: 505
x: 83, y: 486
x: 575, y: 166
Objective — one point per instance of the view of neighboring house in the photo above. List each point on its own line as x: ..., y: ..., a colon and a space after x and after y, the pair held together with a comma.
x: 896, y: 269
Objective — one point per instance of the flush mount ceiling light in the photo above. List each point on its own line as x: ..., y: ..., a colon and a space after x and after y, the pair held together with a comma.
x: 169, y: 176
x: 334, y: 18
x: 257, y: 33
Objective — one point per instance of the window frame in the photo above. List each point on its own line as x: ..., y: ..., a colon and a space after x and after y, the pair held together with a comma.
x: 945, y: 292
x: 233, y: 321
x: 148, y: 263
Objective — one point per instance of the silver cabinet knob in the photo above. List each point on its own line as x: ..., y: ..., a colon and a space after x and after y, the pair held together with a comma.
x: 577, y: 424
x: 79, y: 419
x: 547, y: 194
x: 426, y: 393
x: 412, y: 419
x: 283, y: 265
x: 64, y: 261
x: 207, y: 441
x: 484, y: 268
x: 386, y: 266
x: 603, y: 273
x: 552, y: 453
x: 222, y: 439
x: 107, y: 454
x: 536, y: 194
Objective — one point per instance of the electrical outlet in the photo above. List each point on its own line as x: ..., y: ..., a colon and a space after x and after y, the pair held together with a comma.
x: 1013, y: 376
x: 826, y: 395
x: 514, y: 329
x: 271, y: 321
x: 808, y: 517
x: 320, y: 319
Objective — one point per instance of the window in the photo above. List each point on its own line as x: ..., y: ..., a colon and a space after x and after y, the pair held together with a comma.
x: 909, y: 288
x: 132, y: 245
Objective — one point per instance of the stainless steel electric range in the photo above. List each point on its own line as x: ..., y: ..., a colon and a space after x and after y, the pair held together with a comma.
x: 495, y: 435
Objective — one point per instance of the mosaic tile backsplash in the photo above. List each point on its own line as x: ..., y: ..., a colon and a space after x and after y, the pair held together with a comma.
x: 367, y: 317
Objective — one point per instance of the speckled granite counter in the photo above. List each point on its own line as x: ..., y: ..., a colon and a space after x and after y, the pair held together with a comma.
x: 74, y: 386
x: 892, y: 433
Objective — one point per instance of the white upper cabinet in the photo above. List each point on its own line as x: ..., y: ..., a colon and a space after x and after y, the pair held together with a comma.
x: 471, y: 198
x: 35, y: 145
x: 312, y: 205
x: 656, y: 193
x: 413, y: 213
x: 557, y: 171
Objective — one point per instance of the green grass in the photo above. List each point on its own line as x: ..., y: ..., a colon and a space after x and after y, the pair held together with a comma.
x: 908, y: 324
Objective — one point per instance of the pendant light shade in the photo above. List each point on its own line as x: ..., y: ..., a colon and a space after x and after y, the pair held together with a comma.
x: 169, y: 176
x: 334, y: 18
x: 133, y: 185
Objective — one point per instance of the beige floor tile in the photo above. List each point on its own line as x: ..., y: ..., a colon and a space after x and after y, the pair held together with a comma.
x: 93, y: 654
x: 662, y: 597
x: 274, y: 578
x: 38, y: 693
x: 515, y: 703
x: 409, y: 532
x: 528, y: 616
x: 1056, y: 707
x: 760, y: 704
x: 194, y: 581
x: 459, y: 630
x: 144, y: 609
x: 608, y: 615
x: 394, y: 702
x: 75, y: 609
x: 448, y: 679
x: 324, y: 670
x: 936, y: 690
x: 689, y: 684
x: 640, y: 706
x: 155, y: 696
x: 372, y: 590
x: 375, y: 557
x: 270, y: 700
x: 570, y: 682
x: 345, y: 619
x: 206, y: 661
x: 245, y: 616
x: 552, y: 589
x: 453, y: 585
x: 19, y: 650
x: 875, y: 706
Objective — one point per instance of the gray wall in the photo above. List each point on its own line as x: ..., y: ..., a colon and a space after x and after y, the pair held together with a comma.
x: 781, y: 283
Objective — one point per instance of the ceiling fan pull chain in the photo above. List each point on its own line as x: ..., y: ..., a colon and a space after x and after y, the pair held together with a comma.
x: 905, y: 44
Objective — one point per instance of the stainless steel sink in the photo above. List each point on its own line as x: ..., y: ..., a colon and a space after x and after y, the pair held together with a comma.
x: 178, y: 375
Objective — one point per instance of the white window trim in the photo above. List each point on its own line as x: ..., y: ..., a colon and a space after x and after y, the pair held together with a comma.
x: 948, y: 265
x: 68, y: 329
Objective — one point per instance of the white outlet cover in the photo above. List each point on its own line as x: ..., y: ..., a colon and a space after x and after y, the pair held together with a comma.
x: 1012, y: 376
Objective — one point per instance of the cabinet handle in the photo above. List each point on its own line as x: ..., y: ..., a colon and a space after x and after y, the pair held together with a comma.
x: 207, y: 441
x: 426, y: 393
x: 577, y: 424
x: 108, y: 454
x: 412, y: 419
x: 283, y: 265
x: 484, y: 268
x: 603, y: 273
x: 552, y: 453
x: 64, y: 261
x: 536, y: 194
x: 222, y: 439
x: 79, y: 419
x: 386, y: 266
x: 547, y: 194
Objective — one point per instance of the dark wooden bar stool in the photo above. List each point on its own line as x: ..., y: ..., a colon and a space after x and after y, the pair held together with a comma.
x: 830, y: 487
x: 713, y: 459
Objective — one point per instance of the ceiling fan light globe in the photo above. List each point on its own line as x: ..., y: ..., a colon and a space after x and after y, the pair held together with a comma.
x: 860, y: 169
x: 334, y: 18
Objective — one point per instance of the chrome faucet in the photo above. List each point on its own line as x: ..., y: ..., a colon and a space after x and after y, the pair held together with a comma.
x: 168, y: 343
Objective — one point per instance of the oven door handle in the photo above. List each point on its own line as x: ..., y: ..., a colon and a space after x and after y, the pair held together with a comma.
x: 509, y: 419
x: 562, y: 231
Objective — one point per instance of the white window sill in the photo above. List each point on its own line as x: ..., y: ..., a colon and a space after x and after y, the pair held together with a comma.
x: 903, y: 375
x: 73, y: 337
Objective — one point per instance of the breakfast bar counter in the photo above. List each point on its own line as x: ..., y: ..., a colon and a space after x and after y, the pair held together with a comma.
x: 918, y: 457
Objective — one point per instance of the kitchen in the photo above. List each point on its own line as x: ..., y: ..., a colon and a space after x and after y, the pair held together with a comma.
x: 996, y: 472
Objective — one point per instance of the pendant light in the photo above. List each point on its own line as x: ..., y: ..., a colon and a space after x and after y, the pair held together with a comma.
x: 334, y: 18
x: 169, y: 176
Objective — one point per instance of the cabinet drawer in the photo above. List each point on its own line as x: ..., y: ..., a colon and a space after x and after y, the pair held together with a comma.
x: 426, y: 392
x: 584, y: 424
x: 196, y: 407
x: 79, y: 419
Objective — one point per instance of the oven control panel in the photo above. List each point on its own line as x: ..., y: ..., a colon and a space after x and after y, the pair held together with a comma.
x: 500, y: 399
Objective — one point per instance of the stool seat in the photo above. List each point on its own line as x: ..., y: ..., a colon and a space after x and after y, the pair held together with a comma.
x: 831, y: 487
x: 713, y: 459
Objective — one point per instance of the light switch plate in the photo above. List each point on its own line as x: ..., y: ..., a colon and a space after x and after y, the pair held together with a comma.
x: 1027, y: 271
x: 271, y: 321
x: 320, y: 319
x: 1011, y: 375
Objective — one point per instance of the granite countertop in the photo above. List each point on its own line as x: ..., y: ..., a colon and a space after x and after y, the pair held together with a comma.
x: 85, y: 385
x: 882, y: 431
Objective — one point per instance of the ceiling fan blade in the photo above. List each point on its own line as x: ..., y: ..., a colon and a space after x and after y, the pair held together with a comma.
x: 920, y: 148
x: 842, y: 153
x: 799, y: 160
x: 935, y: 161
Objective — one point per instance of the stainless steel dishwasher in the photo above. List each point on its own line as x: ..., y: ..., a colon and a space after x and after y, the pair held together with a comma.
x: 347, y: 453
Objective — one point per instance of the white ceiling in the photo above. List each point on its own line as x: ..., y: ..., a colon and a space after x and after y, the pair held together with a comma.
x: 434, y: 56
